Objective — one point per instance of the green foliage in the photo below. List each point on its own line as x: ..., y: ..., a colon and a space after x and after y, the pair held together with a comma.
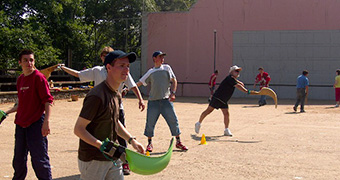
x: 54, y: 28
x: 31, y: 36
x: 168, y: 5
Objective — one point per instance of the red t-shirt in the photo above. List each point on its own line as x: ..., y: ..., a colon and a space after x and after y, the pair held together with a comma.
x: 212, y: 81
x: 263, y: 80
x: 33, y: 93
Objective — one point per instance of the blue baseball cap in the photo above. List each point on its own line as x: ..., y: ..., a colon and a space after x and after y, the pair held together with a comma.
x: 156, y: 53
x: 117, y: 54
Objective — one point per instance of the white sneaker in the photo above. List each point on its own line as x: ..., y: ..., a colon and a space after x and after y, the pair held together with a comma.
x: 227, y: 132
x: 197, y: 127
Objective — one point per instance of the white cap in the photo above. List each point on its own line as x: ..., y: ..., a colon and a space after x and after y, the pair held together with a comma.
x: 233, y: 68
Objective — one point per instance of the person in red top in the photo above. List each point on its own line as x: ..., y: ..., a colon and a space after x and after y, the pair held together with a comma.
x: 212, y: 83
x: 32, y: 120
x: 263, y: 79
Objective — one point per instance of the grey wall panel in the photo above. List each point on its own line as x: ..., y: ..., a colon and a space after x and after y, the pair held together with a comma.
x: 304, y: 37
x: 256, y: 38
x: 285, y: 54
x: 272, y: 37
x: 335, y: 52
x: 335, y: 37
x: 288, y: 38
x: 322, y: 37
x: 284, y: 92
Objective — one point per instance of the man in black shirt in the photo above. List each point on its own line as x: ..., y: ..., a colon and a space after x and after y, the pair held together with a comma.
x: 221, y: 97
x: 98, y: 120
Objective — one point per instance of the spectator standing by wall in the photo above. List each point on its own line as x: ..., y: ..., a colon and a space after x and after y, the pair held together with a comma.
x: 337, y: 88
x: 212, y: 83
x: 263, y: 79
x: 302, y: 91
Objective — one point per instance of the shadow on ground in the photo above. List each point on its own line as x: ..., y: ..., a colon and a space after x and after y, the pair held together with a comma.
x: 330, y: 107
x: 291, y: 112
x: 245, y: 100
x: 218, y: 139
x: 252, y: 106
x: 73, y: 177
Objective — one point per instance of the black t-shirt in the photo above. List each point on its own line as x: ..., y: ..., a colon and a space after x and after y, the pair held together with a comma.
x: 226, y: 89
x: 101, y: 107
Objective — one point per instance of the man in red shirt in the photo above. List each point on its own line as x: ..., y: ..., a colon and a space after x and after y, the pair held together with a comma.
x: 212, y: 83
x: 32, y: 125
x: 263, y: 79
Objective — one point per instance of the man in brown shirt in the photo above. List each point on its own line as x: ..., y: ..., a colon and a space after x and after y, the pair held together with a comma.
x: 98, y: 120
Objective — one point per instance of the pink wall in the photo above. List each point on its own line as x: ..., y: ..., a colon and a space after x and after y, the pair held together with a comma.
x: 188, y: 38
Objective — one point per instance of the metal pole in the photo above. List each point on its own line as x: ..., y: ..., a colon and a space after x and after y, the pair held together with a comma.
x: 126, y: 35
x: 214, y: 50
x: 143, y: 7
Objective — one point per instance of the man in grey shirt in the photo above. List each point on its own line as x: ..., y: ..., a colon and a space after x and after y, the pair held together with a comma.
x: 160, y: 78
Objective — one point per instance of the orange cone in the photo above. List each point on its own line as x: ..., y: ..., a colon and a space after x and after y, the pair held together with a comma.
x: 203, y: 140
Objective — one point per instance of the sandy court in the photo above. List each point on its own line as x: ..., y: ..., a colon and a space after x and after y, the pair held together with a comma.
x: 268, y: 143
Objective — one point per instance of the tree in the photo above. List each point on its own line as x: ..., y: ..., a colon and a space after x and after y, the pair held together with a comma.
x: 168, y: 5
x: 61, y: 29
x: 13, y: 39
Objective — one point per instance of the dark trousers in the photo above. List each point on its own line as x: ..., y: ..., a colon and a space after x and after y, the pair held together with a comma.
x: 262, y: 100
x: 300, y: 97
x: 122, y: 120
x: 31, y: 140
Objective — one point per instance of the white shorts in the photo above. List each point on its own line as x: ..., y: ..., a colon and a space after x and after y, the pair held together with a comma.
x: 100, y: 170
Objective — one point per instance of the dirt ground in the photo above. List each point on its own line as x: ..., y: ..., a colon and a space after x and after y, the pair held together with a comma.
x: 268, y: 143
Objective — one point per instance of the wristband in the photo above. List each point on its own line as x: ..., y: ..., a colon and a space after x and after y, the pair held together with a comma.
x: 3, y: 116
x: 248, y: 91
x: 104, y: 143
x: 130, y: 139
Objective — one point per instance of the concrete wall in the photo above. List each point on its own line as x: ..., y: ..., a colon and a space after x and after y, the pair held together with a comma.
x: 285, y: 54
x: 135, y: 69
x: 188, y: 38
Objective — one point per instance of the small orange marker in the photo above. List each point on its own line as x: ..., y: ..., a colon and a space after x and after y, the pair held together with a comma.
x: 203, y: 140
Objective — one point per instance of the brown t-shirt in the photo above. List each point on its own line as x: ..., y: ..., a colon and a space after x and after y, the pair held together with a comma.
x: 101, y: 107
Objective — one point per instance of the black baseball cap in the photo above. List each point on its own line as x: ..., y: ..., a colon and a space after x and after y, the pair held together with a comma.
x: 156, y: 53
x: 117, y: 54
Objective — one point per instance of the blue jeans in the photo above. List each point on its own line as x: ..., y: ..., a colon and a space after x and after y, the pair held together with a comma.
x: 166, y: 108
x: 263, y: 99
x: 30, y: 139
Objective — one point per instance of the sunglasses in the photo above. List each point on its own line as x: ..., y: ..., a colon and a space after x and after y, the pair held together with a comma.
x: 237, y: 70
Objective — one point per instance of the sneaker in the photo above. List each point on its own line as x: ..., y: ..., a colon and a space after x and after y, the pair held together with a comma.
x: 126, y: 169
x: 227, y: 132
x: 262, y: 103
x: 197, y: 127
x: 294, y: 108
x: 180, y: 146
x: 149, y: 147
x: 302, y: 111
x: 337, y: 105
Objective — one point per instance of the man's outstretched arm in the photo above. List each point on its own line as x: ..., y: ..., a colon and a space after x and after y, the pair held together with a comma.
x: 70, y: 71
